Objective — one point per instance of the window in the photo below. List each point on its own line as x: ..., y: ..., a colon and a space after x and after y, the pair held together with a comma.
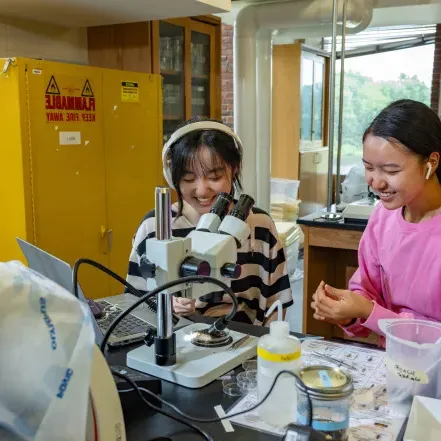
x: 381, y: 66
x: 312, y: 80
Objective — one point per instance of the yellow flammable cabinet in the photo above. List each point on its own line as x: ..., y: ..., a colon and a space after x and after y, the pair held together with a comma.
x: 80, y: 157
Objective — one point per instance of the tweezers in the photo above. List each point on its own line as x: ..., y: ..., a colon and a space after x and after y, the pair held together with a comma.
x: 239, y: 342
x: 334, y: 360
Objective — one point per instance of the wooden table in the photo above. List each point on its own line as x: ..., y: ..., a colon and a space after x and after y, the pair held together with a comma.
x: 330, y: 254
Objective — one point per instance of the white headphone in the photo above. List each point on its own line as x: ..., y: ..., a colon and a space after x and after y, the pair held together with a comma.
x: 193, y: 127
x: 429, y: 170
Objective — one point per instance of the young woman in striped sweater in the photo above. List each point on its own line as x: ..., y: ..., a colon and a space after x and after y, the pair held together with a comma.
x: 202, y: 159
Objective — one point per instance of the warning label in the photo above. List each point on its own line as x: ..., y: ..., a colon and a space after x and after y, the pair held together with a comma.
x: 74, y: 102
x: 87, y: 90
x: 129, y: 92
x: 52, y: 87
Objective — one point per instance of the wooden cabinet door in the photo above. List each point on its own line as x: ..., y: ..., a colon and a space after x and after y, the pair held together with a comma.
x: 186, y: 52
x: 201, y: 70
x: 170, y: 62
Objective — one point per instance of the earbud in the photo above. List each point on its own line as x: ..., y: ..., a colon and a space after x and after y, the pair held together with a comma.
x: 429, y: 170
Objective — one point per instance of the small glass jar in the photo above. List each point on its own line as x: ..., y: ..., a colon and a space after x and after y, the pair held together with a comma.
x: 330, y: 390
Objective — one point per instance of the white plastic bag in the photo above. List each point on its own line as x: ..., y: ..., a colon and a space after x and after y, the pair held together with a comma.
x: 354, y: 186
x: 46, y: 351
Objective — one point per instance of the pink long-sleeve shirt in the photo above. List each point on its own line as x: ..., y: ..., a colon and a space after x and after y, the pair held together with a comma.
x: 399, y: 269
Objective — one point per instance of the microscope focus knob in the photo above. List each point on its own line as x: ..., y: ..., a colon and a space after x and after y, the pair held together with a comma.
x: 231, y: 270
x: 147, y: 268
x: 149, y: 338
x: 192, y: 266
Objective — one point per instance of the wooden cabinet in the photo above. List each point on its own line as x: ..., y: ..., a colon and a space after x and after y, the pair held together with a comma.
x: 126, y: 46
x: 185, y: 51
x: 330, y: 254
x: 313, y: 175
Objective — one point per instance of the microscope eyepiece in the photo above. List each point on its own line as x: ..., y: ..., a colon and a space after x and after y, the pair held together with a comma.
x: 221, y: 205
x: 242, y: 209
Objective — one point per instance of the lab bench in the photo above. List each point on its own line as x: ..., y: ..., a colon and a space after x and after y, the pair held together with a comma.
x: 331, y: 255
x: 199, y: 402
x: 146, y: 425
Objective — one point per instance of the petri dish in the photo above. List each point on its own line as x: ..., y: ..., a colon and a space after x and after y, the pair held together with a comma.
x: 231, y: 388
x: 250, y: 365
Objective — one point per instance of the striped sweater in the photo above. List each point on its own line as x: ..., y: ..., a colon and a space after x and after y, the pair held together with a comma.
x: 263, y: 279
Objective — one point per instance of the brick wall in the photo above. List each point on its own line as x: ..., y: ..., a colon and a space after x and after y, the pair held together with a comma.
x: 436, y: 75
x: 227, y: 75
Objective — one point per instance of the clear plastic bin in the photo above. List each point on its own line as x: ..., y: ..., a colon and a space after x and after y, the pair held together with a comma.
x: 292, y: 257
x: 284, y: 190
x: 284, y: 202
x: 289, y: 235
x: 413, y: 361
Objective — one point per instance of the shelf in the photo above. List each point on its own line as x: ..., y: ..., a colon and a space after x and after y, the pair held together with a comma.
x: 172, y: 118
x: 200, y: 77
x: 173, y: 73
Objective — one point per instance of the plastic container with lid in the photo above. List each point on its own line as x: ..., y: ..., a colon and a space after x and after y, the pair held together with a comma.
x: 284, y: 190
x: 276, y: 352
x: 284, y: 202
x: 330, y: 390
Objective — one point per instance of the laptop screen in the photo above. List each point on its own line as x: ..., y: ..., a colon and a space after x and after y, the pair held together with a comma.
x: 56, y: 270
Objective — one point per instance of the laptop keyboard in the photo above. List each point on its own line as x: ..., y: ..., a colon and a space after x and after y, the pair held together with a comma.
x: 129, y: 325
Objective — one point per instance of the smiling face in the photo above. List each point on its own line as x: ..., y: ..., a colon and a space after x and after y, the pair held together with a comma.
x: 395, y: 173
x: 204, y: 177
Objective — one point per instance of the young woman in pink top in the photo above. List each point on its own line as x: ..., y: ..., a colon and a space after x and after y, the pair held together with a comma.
x: 399, y: 257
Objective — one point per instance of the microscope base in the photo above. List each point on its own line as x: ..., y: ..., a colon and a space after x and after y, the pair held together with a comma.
x: 195, y: 366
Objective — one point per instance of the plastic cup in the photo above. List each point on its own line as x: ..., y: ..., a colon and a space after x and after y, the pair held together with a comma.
x: 413, y: 361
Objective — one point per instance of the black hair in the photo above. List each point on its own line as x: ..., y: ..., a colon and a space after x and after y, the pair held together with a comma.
x: 184, y: 155
x: 411, y: 124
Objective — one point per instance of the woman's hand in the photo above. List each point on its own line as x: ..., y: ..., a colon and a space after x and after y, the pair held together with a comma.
x: 339, y: 306
x: 183, y: 306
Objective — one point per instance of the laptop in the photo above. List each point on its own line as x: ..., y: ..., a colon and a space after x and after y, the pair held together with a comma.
x: 132, y: 328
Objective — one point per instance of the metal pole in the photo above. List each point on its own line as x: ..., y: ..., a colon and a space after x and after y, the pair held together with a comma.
x: 165, y: 315
x: 341, y: 102
x: 163, y: 215
x: 164, y: 342
x: 332, y: 103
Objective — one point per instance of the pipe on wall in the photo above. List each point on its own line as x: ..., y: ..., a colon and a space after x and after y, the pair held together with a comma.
x: 310, y: 18
x: 263, y: 115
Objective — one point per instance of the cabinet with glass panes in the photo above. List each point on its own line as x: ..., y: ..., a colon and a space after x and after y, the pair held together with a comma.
x: 188, y: 59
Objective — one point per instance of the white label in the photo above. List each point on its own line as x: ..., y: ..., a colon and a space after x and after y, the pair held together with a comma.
x: 70, y: 138
x: 226, y: 422
x: 406, y: 373
x: 36, y: 71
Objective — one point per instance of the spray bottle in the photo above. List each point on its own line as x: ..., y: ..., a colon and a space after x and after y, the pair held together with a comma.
x: 278, y: 351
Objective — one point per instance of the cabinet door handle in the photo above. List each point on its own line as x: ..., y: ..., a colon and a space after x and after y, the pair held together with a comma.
x: 109, y: 240
x: 317, y: 158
